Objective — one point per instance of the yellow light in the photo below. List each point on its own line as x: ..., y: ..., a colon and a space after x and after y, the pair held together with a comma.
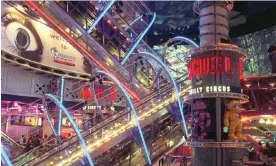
x: 128, y: 125
x: 272, y: 84
x: 51, y: 162
x: 247, y: 85
x: 268, y: 121
x: 262, y: 121
x: 274, y: 122
x: 171, y: 143
x: 61, y: 157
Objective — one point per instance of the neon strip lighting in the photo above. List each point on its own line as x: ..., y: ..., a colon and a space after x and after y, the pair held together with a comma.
x: 74, y: 42
x: 164, y: 66
x: 137, y: 124
x: 100, y: 16
x: 133, y: 22
x: 75, y: 127
x: 5, y: 157
x: 182, y: 38
x: 138, y: 40
x: 61, y: 101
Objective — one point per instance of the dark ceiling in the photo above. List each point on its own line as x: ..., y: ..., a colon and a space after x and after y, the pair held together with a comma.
x: 178, y: 18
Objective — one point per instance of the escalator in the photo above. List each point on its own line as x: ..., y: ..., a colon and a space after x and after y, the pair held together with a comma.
x: 9, y: 143
x: 162, y: 136
x: 103, y: 136
x: 96, y: 52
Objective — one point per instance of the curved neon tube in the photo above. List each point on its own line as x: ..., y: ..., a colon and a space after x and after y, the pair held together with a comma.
x: 137, y: 124
x: 100, y: 16
x: 74, y: 42
x: 164, y: 66
x: 5, y: 157
x: 134, y: 21
x: 75, y: 127
x: 182, y: 38
x: 138, y: 40
x: 50, y: 123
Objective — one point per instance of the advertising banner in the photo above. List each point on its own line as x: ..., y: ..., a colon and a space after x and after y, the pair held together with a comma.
x: 31, y: 38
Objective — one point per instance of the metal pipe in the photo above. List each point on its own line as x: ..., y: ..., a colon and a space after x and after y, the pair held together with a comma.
x: 138, y: 40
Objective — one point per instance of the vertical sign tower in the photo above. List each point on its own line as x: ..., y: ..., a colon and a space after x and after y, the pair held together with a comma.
x: 215, y: 69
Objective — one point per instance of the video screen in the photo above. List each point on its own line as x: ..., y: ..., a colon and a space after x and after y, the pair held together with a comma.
x: 26, y: 120
x: 30, y: 121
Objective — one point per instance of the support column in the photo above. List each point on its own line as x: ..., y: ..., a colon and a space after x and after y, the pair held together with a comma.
x: 214, y: 70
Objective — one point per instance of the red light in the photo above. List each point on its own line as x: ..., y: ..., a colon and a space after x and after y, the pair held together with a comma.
x: 241, y: 68
x: 228, y: 64
x: 205, y: 65
x: 86, y: 93
x: 113, y: 94
x: 33, y: 5
x: 99, y: 92
x: 211, y: 64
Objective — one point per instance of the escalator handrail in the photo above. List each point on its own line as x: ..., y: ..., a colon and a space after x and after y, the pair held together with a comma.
x: 10, y: 139
x: 101, y: 125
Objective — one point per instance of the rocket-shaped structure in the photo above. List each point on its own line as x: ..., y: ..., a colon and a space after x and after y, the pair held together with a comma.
x: 215, y: 69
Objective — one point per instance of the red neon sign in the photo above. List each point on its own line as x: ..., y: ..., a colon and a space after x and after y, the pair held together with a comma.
x: 99, y: 92
x: 209, y: 65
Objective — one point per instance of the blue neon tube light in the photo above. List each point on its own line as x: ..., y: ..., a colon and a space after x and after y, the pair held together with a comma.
x: 52, y: 126
x: 100, y: 16
x: 134, y: 21
x: 75, y: 127
x: 182, y: 38
x: 138, y: 40
x: 137, y: 124
x: 164, y: 66
x: 61, y: 101
x: 5, y: 156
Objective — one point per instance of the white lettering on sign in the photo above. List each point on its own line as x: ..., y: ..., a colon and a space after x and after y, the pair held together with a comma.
x: 209, y: 89
x: 92, y: 107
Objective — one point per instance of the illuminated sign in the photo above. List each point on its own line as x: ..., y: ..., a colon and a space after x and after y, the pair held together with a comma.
x: 32, y: 39
x: 85, y: 93
x: 92, y: 107
x: 210, y: 89
x: 208, y: 65
x: 61, y: 58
